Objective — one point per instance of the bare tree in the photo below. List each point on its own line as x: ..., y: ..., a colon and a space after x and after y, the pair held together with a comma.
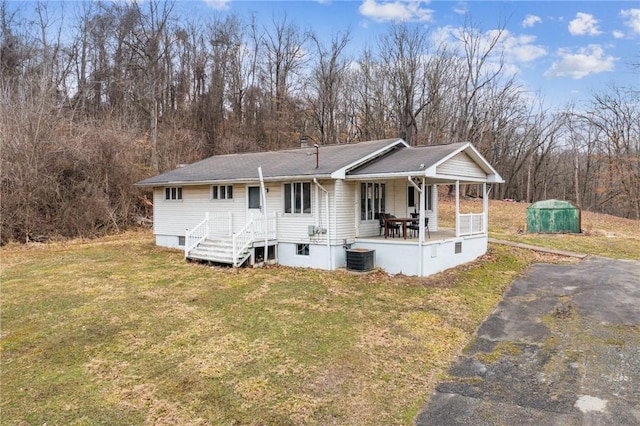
x: 402, y: 55
x: 283, y: 45
x: 480, y: 70
x: 149, y: 45
x: 327, y: 82
x: 615, y: 116
x: 440, y: 80
x: 370, y: 115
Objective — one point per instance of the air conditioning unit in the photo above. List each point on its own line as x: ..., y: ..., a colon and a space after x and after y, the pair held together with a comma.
x: 360, y: 259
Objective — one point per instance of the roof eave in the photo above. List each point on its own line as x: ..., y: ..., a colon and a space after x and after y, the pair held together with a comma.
x: 256, y: 179
x: 342, y: 172
x: 386, y: 175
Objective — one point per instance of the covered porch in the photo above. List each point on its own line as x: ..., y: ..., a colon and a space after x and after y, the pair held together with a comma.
x: 411, y: 249
x: 410, y: 209
x: 403, y: 188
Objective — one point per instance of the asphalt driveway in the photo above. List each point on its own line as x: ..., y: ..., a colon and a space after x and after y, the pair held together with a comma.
x: 562, y: 348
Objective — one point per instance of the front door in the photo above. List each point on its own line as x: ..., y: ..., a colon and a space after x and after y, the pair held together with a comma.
x: 253, y: 202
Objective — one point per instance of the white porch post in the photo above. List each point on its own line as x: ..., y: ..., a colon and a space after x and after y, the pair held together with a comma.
x: 457, y: 208
x: 485, y: 209
x: 421, y: 221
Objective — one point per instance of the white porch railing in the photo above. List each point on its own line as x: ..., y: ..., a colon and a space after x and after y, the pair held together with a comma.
x: 195, y: 236
x: 220, y: 224
x: 471, y: 223
x: 242, y: 240
x: 266, y: 228
x: 255, y: 229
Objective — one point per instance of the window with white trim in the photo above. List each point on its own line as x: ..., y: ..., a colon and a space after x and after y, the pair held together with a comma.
x: 372, y: 200
x: 413, y: 197
x: 222, y: 192
x: 297, y: 198
x: 173, y: 193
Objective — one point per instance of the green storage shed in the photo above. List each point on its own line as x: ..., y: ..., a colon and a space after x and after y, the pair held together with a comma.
x: 554, y: 216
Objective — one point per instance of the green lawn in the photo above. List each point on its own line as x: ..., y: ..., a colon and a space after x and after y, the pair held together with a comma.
x: 117, y: 331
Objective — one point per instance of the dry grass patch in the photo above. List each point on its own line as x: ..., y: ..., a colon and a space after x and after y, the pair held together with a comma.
x: 117, y: 331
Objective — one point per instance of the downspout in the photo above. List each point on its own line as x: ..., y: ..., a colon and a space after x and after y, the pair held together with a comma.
x: 420, y: 227
x: 326, y: 197
x: 263, y: 196
x: 457, y: 208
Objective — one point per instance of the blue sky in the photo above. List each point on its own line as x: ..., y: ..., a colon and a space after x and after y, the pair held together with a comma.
x: 561, y: 50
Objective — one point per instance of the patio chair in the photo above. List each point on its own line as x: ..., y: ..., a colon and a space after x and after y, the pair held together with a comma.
x: 415, y: 226
x: 394, y: 228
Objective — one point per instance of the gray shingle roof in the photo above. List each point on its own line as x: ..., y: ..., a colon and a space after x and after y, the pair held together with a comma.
x: 413, y: 159
x: 275, y: 164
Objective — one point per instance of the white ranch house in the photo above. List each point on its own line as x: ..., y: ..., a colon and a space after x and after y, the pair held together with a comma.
x: 310, y: 206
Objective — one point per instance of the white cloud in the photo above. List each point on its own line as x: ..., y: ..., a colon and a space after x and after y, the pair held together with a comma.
x: 528, y: 52
x: 618, y: 34
x: 530, y: 21
x: 218, y: 4
x: 521, y: 48
x: 584, y: 24
x: 632, y: 19
x: 461, y: 8
x: 588, y: 60
x: 516, y: 48
x: 396, y: 11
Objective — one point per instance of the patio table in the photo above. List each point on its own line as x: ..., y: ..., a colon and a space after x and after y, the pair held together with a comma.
x: 400, y: 220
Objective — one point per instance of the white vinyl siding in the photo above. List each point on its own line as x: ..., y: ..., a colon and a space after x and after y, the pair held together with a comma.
x: 172, y: 218
x: 461, y: 165
x: 293, y: 228
x: 346, y: 210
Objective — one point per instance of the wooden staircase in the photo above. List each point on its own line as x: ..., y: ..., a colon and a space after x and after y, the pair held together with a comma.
x: 218, y: 250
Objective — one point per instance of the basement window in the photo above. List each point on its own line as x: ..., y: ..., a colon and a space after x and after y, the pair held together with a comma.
x: 173, y: 193
x: 302, y: 249
x: 181, y: 241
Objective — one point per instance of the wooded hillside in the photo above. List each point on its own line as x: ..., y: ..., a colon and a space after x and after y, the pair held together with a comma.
x: 118, y: 91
